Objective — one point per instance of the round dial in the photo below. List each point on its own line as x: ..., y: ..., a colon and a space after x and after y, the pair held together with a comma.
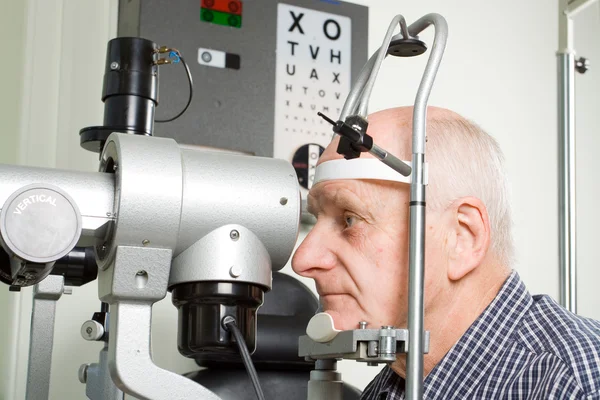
x: 305, y: 162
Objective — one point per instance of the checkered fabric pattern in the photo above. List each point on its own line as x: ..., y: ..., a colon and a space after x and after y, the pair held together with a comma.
x: 520, y: 347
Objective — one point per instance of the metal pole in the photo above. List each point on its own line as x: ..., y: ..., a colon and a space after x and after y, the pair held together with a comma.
x: 360, y: 93
x: 45, y: 295
x: 414, y: 365
x: 566, y: 181
x: 566, y: 163
x: 416, y: 284
x: 325, y: 382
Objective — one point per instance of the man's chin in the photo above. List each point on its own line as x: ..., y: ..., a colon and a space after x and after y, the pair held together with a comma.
x: 342, y: 320
x: 344, y: 309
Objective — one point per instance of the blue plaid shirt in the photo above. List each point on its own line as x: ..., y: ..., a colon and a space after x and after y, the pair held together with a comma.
x: 520, y: 347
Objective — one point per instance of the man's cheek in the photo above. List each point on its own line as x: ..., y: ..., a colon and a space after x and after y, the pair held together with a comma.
x: 338, y: 302
x: 357, y: 238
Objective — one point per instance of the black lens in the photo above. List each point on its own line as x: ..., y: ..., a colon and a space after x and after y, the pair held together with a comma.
x: 202, y: 307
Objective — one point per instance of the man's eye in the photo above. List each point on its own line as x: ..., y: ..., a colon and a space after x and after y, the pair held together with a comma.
x: 350, y: 220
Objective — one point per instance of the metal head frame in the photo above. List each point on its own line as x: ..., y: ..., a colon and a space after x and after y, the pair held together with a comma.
x: 354, y: 140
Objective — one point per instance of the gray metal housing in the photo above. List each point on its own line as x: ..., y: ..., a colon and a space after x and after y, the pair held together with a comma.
x: 171, y: 197
x: 231, y: 109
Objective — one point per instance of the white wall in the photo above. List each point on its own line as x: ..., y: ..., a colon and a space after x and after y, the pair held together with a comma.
x: 499, y: 70
x: 12, y: 25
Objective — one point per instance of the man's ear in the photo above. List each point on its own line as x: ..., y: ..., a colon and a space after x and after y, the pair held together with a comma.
x: 470, y: 229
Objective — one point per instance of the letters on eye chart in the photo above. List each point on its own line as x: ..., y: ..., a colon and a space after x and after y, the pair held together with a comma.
x: 313, y: 73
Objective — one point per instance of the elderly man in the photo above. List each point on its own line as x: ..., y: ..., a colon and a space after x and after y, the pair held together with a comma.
x: 490, y: 339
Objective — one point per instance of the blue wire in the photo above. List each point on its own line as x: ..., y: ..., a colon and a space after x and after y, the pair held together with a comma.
x: 174, y: 57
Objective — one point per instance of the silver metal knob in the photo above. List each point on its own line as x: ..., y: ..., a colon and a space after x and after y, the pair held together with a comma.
x: 92, y: 330
x: 83, y: 373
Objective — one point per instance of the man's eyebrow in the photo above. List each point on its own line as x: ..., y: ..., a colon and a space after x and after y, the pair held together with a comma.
x: 341, y: 198
x: 344, y: 199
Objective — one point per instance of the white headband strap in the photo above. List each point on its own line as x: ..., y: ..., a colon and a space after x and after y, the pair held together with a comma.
x: 361, y: 168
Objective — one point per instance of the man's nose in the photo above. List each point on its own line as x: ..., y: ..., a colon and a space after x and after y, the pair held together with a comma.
x: 314, y: 254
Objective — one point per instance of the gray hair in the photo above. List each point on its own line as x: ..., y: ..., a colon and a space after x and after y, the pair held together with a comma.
x: 464, y: 160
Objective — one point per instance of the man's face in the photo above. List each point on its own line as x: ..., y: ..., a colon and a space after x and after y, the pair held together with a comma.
x: 357, y: 252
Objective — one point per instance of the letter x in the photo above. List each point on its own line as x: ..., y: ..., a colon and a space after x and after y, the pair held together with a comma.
x: 296, y: 23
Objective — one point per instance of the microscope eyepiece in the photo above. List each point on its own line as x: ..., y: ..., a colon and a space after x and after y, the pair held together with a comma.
x: 129, y: 93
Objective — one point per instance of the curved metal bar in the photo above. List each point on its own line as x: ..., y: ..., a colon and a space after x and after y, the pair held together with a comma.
x: 403, y: 31
x: 361, y: 93
x: 433, y: 64
x: 576, y: 6
x: 414, y: 367
x: 363, y: 107
x: 351, y: 103
x: 356, y: 94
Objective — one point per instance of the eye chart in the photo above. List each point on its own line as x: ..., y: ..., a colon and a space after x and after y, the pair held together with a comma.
x: 312, y: 74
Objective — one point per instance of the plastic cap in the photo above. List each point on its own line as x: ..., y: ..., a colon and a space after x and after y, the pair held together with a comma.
x: 321, y: 329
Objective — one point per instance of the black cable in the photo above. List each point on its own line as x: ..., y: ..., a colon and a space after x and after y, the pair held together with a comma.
x: 231, y: 325
x: 191, y: 83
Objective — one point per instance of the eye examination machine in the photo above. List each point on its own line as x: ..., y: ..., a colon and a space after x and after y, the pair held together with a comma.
x: 200, y: 192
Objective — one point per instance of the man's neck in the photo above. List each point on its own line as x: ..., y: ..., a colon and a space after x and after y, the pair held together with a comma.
x: 458, y: 310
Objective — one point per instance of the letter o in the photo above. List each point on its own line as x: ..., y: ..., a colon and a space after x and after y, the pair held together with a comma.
x: 326, y: 29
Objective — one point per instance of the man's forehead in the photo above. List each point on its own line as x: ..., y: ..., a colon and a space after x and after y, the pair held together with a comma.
x: 331, y: 189
x: 349, y: 194
x: 391, y: 129
x: 337, y: 193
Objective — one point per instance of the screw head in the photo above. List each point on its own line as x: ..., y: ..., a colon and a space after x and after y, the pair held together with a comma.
x: 83, y: 370
x: 89, y: 330
x: 234, y: 235
x: 206, y: 57
x: 235, y: 271
x: 582, y: 64
x: 114, y: 65
x: 145, y: 242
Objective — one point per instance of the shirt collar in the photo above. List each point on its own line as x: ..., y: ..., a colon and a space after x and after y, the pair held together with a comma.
x: 484, y: 340
x: 387, y: 382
